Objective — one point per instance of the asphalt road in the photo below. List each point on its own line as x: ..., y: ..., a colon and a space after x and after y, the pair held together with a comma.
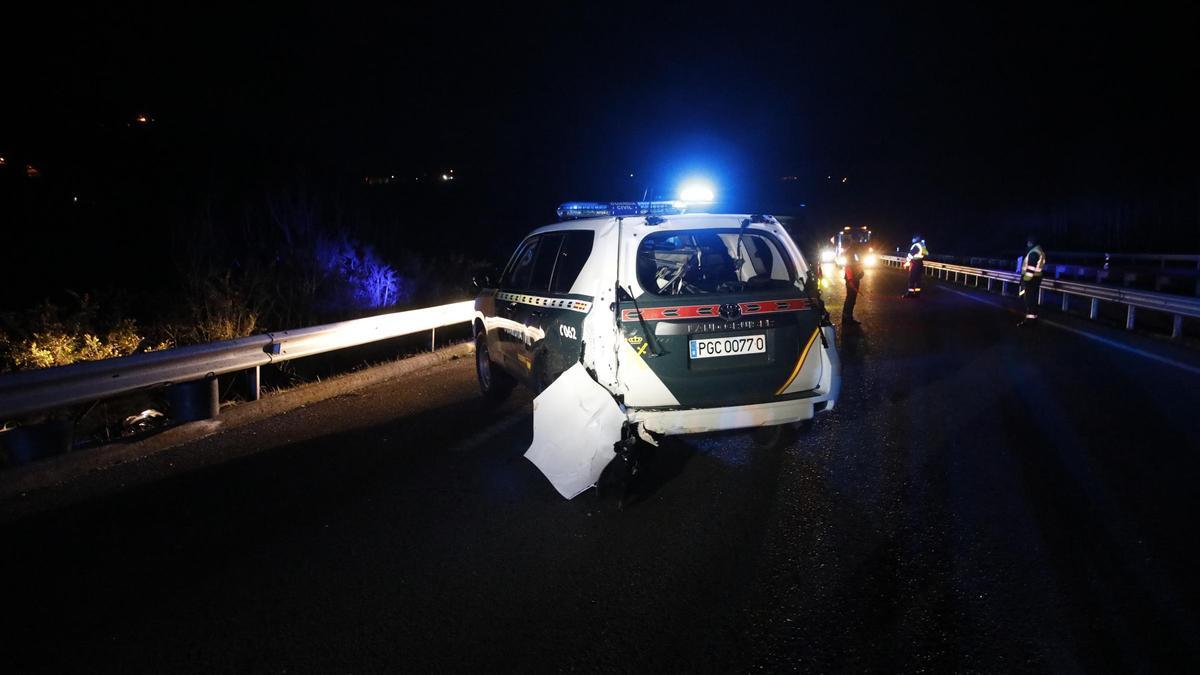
x: 983, y: 499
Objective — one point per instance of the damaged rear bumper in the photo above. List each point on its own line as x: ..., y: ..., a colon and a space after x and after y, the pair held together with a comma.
x: 701, y: 420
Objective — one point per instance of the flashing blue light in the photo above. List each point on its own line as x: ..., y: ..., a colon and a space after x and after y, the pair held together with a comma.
x: 697, y: 192
x: 574, y: 210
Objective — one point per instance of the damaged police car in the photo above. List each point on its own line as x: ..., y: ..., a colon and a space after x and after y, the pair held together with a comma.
x: 637, y: 319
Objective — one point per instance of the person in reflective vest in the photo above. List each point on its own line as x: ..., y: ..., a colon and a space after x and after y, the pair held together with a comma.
x: 854, y: 275
x: 1031, y: 279
x: 916, y: 266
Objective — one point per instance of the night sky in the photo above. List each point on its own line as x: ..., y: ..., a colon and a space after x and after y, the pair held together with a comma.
x: 958, y: 122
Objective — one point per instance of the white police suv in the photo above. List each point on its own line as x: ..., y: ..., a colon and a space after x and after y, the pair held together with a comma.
x: 672, y: 322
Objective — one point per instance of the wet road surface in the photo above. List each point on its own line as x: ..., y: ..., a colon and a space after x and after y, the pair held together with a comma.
x: 982, y: 499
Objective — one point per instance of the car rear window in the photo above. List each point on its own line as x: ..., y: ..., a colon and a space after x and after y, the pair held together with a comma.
x: 700, y: 262
x: 575, y: 250
x: 543, y: 265
x: 521, y: 268
x: 549, y: 262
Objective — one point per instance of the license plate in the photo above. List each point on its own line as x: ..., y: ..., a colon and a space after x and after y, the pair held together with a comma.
x: 707, y: 348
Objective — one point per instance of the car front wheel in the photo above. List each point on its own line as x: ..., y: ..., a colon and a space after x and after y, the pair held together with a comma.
x: 494, y: 383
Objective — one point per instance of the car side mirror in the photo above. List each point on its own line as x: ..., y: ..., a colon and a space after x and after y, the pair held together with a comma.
x: 484, y: 279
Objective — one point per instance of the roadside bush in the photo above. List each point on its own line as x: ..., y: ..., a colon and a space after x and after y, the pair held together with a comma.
x: 249, y: 267
x: 51, y: 335
x: 357, y: 277
x: 217, y: 307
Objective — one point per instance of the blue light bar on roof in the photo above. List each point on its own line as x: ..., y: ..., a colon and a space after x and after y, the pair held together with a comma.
x: 573, y: 210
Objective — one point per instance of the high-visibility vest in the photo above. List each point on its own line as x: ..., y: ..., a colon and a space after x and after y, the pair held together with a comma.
x: 1035, y: 267
x: 918, y: 251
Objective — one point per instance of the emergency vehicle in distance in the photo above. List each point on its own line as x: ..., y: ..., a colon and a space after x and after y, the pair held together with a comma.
x: 690, y: 322
x: 860, y: 236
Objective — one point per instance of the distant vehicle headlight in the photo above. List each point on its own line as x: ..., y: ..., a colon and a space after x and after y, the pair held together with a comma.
x: 826, y: 255
x: 870, y: 259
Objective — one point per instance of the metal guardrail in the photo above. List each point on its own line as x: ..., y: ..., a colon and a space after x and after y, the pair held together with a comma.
x: 1157, y: 259
x: 1163, y: 269
x: 1161, y: 258
x: 1176, y: 305
x: 39, y: 390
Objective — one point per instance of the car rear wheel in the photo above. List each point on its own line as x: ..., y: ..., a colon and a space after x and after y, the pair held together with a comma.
x: 494, y: 383
x: 776, y: 436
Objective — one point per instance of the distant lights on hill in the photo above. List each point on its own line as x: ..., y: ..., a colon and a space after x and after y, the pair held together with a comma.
x: 391, y: 178
x: 141, y: 120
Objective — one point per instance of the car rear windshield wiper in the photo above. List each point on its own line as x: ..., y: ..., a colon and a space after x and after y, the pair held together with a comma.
x: 651, y: 339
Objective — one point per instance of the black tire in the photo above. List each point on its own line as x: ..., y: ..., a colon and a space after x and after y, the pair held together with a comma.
x: 494, y: 383
x: 774, y: 437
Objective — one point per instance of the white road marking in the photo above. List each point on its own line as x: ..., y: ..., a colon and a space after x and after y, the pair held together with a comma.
x: 1091, y: 336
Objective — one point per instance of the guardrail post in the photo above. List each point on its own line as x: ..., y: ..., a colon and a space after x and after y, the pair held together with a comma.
x: 1177, y: 326
x: 253, y: 384
x: 28, y: 443
x: 1041, y: 294
x: 1003, y: 288
x: 195, y: 400
x: 433, y: 340
x: 1095, y: 309
x: 1129, y: 314
x: 989, y: 284
x: 1066, y: 302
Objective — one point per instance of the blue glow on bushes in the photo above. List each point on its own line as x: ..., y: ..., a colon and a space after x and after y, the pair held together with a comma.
x: 365, y: 280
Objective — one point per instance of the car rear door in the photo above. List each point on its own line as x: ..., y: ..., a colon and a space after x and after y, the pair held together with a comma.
x: 509, y: 326
x: 543, y: 320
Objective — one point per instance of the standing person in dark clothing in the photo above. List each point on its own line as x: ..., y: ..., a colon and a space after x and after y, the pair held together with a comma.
x: 916, y: 266
x: 854, y: 275
x: 1031, y: 279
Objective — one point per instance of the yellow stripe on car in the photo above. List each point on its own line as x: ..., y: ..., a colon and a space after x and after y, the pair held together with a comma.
x: 799, y: 362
